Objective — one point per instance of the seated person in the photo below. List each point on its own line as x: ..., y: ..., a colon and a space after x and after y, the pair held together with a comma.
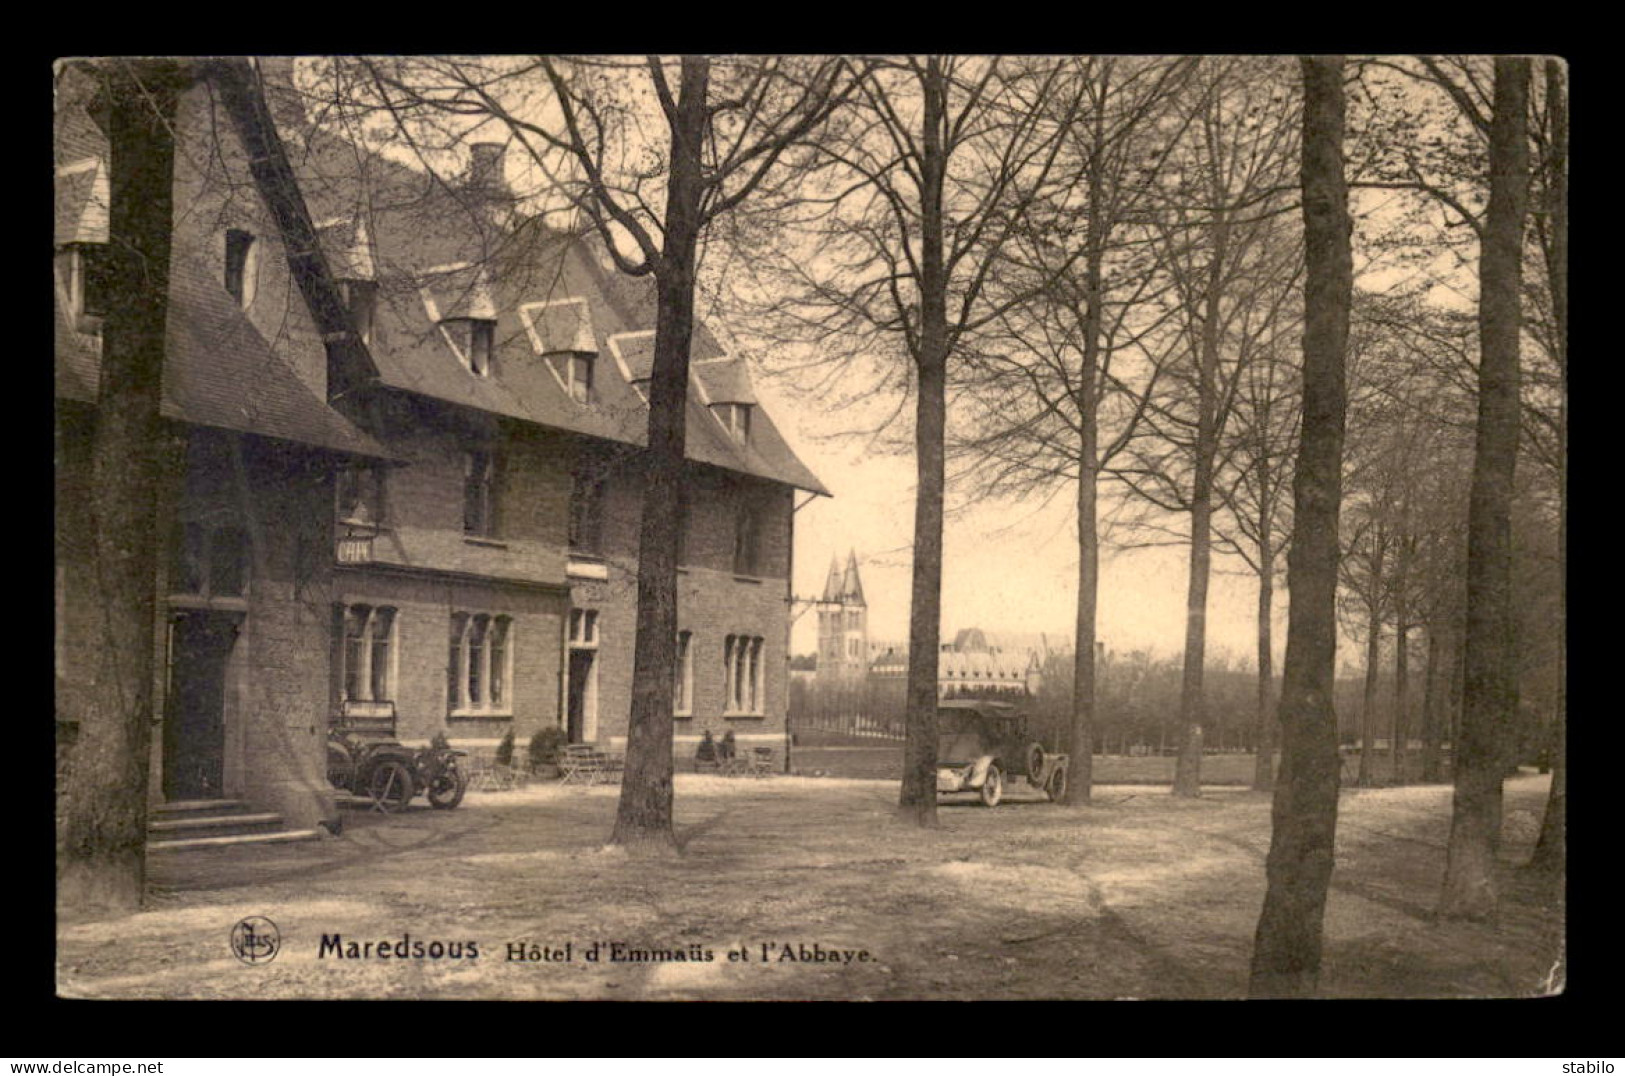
x: 707, y: 751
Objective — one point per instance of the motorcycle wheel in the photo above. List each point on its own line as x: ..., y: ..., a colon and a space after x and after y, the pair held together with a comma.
x: 390, y: 785
x: 446, y: 790
x: 340, y: 770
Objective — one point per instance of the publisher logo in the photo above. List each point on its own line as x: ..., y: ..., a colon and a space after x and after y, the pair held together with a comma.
x: 255, y: 940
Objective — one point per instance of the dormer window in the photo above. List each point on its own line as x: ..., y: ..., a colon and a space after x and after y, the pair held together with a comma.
x: 361, y: 296
x: 735, y: 417
x: 361, y: 495
x: 85, y: 278
x: 472, y: 338
x: 748, y: 540
x: 479, y: 494
x: 587, y: 511
x: 242, y: 266
x: 578, y: 376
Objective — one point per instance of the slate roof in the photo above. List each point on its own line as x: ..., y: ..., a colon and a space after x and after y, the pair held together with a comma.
x: 844, y: 587
x: 852, y: 588
x: 81, y: 202
x: 348, y: 247
x: 548, y: 292
x: 725, y: 381
x: 953, y: 665
x: 218, y: 371
x: 832, y: 585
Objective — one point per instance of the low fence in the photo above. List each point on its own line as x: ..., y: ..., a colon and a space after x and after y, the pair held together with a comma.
x: 860, y: 725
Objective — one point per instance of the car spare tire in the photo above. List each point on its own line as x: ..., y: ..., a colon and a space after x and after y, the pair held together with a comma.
x: 1035, y: 761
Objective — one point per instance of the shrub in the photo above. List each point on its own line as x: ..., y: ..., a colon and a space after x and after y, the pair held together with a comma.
x: 505, y: 750
x: 545, y: 745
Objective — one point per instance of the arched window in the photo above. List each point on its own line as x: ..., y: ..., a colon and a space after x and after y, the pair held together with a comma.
x: 744, y: 693
x: 367, y: 674
x: 748, y: 540
x: 479, y: 665
x: 683, y: 688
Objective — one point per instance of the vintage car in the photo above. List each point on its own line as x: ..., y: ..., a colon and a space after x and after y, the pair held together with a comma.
x: 982, y: 743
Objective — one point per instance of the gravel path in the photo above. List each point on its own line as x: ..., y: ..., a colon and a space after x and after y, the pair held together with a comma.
x: 819, y: 891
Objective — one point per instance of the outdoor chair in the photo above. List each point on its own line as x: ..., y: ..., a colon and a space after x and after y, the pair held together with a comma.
x: 581, y: 764
x: 486, y: 774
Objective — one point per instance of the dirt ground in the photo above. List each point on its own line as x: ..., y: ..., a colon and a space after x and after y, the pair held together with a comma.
x: 854, y: 758
x: 1139, y: 896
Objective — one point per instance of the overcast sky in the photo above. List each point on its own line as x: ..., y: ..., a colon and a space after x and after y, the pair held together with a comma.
x: 1006, y: 566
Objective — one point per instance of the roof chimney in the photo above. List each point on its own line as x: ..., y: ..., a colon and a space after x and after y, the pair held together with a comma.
x: 485, y: 167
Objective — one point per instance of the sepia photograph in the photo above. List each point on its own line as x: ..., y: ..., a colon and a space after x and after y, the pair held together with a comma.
x: 810, y: 527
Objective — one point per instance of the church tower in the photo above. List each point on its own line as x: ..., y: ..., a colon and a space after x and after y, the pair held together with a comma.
x: 843, y: 625
x: 830, y: 613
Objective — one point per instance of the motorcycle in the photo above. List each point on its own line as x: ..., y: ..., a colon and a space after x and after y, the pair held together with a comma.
x: 391, y: 774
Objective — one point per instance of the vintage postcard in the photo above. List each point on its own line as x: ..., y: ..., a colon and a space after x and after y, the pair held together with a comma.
x: 810, y: 527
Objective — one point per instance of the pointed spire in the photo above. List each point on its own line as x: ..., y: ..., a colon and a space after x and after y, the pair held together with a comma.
x: 832, y: 586
x: 852, y: 587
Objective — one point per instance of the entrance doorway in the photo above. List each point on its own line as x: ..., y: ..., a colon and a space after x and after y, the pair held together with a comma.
x: 582, y: 700
x: 200, y: 643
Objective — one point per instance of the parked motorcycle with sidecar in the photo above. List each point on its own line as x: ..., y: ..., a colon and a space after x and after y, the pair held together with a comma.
x: 390, y: 774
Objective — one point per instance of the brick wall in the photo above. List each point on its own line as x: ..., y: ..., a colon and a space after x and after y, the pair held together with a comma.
x: 282, y: 739
x: 75, y: 649
x: 423, y: 514
x: 712, y: 603
x: 422, y: 649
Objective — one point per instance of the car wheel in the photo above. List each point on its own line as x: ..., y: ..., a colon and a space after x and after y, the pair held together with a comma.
x: 390, y: 786
x: 446, y: 790
x: 992, y: 787
x: 1057, y: 785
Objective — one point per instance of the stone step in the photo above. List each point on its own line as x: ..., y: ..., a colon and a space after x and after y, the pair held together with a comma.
x: 188, y: 807
x: 222, y: 821
x: 282, y: 836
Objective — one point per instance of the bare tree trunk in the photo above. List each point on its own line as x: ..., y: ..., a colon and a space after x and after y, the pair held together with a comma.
x: 918, y: 795
x: 1550, y: 853
x: 1080, y: 777
x: 101, y: 863
x: 644, y: 814
x: 1264, y: 739
x: 1368, y: 705
x: 1432, y: 725
x: 1287, y: 943
x: 1457, y: 687
x: 1188, y: 770
x: 1400, y: 724
x: 1490, y: 704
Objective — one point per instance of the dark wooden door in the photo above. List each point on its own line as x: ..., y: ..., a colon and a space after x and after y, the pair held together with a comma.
x: 195, y: 723
x: 576, y: 710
